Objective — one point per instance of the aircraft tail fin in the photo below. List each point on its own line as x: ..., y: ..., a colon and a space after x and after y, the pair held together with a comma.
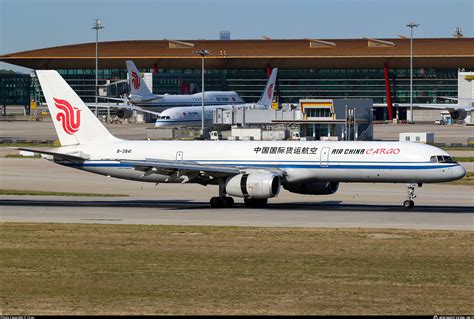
x: 73, y: 120
x: 267, y: 97
x: 137, y: 86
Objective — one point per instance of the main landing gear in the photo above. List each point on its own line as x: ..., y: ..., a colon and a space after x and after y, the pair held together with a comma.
x: 409, y: 203
x: 222, y: 201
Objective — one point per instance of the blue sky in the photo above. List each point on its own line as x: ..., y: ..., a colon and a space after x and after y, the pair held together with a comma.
x: 33, y: 24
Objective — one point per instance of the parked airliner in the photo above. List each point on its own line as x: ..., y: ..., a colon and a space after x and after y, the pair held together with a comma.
x: 142, y: 100
x: 253, y: 170
x: 191, y: 116
x: 457, y: 111
x: 141, y: 96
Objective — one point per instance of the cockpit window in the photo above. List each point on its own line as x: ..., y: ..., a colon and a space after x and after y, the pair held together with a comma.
x: 442, y: 159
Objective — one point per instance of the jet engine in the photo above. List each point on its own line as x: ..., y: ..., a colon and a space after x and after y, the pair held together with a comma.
x: 253, y: 185
x: 124, y: 113
x: 458, y: 114
x: 318, y: 188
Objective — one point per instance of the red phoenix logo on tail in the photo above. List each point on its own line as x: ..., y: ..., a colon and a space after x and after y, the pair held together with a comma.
x: 70, y: 117
x: 270, y: 91
x: 135, y: 80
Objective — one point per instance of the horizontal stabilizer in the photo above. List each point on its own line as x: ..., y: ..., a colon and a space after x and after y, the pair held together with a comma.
x: 79, y: 157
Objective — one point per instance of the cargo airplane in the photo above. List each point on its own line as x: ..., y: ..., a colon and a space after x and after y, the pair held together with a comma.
x: 191, y: 116
x: 253, y: 170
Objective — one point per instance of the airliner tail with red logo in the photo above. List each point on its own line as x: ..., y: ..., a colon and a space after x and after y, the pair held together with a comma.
x: 138, y: 89
x: 267, y: 96
x: 190, y: 116
x: 73, y: 121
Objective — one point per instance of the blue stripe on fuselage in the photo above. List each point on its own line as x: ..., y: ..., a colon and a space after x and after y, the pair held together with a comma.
x: 294, y: 164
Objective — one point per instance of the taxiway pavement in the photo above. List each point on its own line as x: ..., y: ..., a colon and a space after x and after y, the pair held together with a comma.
x: 438, y: 206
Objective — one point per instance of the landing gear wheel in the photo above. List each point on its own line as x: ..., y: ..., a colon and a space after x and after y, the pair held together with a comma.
x: 408, y: 203
x: 215, y: 202
x: 222, y: 202
x: 227, y: 202
x: 255, y: 202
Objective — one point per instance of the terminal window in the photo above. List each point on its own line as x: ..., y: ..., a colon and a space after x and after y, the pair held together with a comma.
x: 318, y: 112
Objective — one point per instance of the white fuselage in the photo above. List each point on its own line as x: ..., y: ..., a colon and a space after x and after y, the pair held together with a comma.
x: 163, y: 102
x: 301, y: 161
x: 192, y: 116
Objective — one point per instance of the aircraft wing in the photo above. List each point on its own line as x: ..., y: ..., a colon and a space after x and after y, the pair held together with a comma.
x: 444, y: 106
x: 190, y: 169
x: 122, y: 106
x: 113, y: 99
x: 456, y: 98
x: 139, y: 109
x: 148, y: 99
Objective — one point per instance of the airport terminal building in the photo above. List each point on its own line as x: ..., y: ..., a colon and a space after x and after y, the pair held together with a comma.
x: 377, y: 69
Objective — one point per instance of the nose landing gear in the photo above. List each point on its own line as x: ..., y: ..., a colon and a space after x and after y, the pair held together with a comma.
x: 409, y: 203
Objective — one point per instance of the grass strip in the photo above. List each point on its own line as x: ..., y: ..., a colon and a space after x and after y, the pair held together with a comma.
x: 56, y: 269
x: 21, y: 156
x: 463, y: 158
x: 466, y: 180
x: 461, y: 148
x: 50, y: 193
x: 29, y: 145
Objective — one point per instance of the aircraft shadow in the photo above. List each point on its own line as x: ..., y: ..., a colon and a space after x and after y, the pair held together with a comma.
x: 339, y: 206
x: 179, y: 204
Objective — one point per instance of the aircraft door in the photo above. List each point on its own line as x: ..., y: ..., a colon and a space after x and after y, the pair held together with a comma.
x: 325, y: 156
x: 179, y: 156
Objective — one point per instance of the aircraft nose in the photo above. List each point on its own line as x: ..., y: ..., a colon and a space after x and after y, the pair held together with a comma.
x: 458, y: 172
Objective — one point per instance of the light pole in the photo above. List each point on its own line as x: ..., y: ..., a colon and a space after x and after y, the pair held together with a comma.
x: 411, y: 25
x: 203, y: 54
x: 96, y: 26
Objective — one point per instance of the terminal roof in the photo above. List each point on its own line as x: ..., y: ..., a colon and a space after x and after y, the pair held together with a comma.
x: 252, y: 54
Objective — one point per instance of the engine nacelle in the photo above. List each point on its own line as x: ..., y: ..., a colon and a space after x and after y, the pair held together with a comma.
x: 318, y: 188
x: 458, y: 114
x: 124, y: 113
x: 253, y: 185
